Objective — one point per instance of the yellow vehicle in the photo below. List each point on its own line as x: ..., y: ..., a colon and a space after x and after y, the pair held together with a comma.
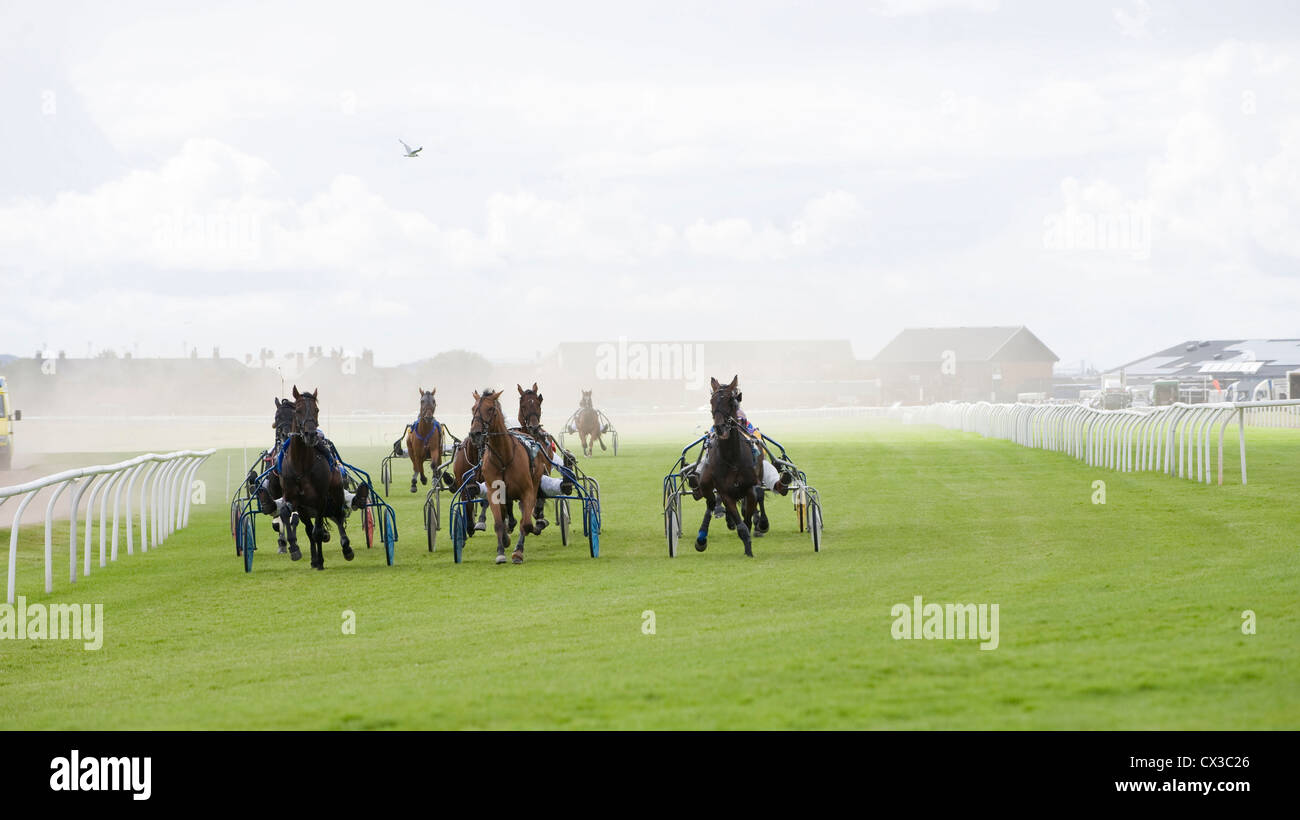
x: 8, y: 416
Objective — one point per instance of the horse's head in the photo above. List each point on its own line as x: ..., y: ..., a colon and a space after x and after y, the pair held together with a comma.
x: 428, y: 404
x: 306, y: 416
x: 487, y: 414
x: 283, y: 419
x: 530, y: 407
x: 585, y: 404
x: 723, y: 403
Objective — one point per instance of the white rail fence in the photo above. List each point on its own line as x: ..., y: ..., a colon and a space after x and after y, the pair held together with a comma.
x: 1177, y: 439
x: 164, y: 483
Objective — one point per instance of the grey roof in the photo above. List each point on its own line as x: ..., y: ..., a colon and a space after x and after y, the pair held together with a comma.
x: 1228, y: 358
x: 969, y: 344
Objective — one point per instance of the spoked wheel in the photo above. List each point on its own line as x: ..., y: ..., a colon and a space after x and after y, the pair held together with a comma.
x: 234, y: 531
x: 249, y: 546
x: 592, y: 516
x: 562, y: 519
x: 369, y: 526
x: 390, y: 535
x: 672, y: 529
x: 458, y: 524
x: 615, y: 443
x: 386, y: 475
x: 815, y: 524
x: 801, y: 510
x: 431, y: 524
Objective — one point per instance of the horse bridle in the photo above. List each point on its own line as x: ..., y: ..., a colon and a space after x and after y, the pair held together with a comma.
x: 535, y: 427
x: 731, y: 417
x: 300, y: 433
x: 483, y: 448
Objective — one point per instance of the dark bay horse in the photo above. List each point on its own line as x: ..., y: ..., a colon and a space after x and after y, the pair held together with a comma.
x: 733, y: 469
x: 589, y: 425
x: 312, y: 482
x: 424, y: 441
x: 510, y: 468
x: 271, y: 489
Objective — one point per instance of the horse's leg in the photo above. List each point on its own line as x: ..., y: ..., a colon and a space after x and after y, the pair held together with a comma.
x: 289, y: 524
x: 762, y: 527
x: 528, y: 502
x: 313, y: 535
x: 702, y: 539
x: 600, y: 438
x: 499, y: 526
x: 339, y: 518
x: 417, y: 466
x: 742, y: 530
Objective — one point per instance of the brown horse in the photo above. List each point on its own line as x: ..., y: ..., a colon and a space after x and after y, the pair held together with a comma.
x: 732, y: 469
x: 312, y: 482
x: 424, y: 441
x: 589, y: 425
x: 463, y: 459
x: 530, y: 422
x: 511, y: 469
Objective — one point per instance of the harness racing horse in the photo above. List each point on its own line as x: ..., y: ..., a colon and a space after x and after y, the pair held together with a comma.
x: 512, y: 466
x: 530, y: 422
x: 313, y: 483
x: 271, y: 489
x: 589, y: 425
x: 732, y: 469
x: 424, y: 441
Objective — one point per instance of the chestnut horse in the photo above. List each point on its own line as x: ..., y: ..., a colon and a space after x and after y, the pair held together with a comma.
x: 733, y: 468
x: 530, y: 422
x: 463, y: 459
x: 511, y: 469
x: 312, y: 482
x: 589, y: 425
x: 424, y: 441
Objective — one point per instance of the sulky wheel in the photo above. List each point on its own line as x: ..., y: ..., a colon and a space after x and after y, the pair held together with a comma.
x: 562, y: 519
x: 815, y: 524
x: 672, y: 529
x: 458, y: 524
x: 389, y: 529
x: 592, y: 515
x: 249, y: 546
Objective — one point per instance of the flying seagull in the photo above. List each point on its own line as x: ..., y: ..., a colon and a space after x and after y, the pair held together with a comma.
x: 410, y: 152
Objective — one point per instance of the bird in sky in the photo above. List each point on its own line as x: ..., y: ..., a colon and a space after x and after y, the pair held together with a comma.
x: 411, y: 152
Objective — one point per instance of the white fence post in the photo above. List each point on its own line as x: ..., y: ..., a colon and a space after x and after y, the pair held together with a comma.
x: 166, y: 496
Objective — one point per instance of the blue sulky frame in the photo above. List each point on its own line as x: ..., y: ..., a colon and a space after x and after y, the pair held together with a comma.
x: 807, y: 501
x: 586, y: 490
x: 243, y: 512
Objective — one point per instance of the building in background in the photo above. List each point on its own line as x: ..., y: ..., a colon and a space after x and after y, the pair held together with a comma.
x: 1232, y: 369
x: 929, y: 364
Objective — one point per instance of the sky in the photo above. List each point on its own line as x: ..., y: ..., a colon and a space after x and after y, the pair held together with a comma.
x: 1117, y: 176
